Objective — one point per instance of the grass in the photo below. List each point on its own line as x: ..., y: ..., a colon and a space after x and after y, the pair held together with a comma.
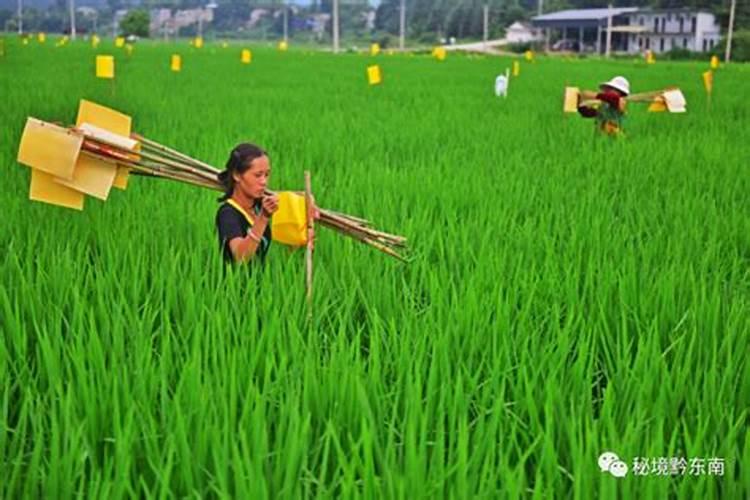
x: 568, y: 294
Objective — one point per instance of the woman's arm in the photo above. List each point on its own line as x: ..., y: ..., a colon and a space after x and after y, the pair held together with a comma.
x: 243, y: 249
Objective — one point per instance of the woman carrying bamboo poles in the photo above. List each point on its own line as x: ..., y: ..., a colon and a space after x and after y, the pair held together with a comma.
x: 609, y: 111
x: 243, y: 221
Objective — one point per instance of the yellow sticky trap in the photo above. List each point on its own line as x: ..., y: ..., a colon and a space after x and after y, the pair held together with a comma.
x: 95, y: 41
x: 283, y: 46
x: 529, y: 55
x: 374, y: 75
x: 516, y: 68
x: 714, y: 62
x: 91, y: 176
x: 42, y: 37
x: 119, y: 42
x: 658, y: 106
x: 25, y: 41
x: 224, y: 45
x: 650, y: 59
x: 439, y: 53
x: 49, y: 148
x: 708, y: 81
x: 44, y: 188
x: 105, y: 67
x: 246, y: 57
x: 374, y: 49
x: 109, y: 119
x: 570, y: 103
x: 289, y: 222
x: 198, y: 42
x: 175, y: 63
x: 129, y: 49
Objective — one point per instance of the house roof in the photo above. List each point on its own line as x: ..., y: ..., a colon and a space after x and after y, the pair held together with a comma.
x: 579, y: 17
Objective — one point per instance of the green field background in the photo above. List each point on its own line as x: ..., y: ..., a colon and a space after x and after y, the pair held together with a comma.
x: 567, y: 294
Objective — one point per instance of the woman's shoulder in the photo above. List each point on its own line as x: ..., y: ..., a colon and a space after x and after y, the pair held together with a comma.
x: 226, y: 210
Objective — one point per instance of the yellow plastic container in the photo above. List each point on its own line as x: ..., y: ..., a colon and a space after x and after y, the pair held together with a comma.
x: 289, y: 223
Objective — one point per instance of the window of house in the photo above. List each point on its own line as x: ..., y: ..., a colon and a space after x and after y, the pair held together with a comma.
x: 695, y: 23
x: 704, y: 44
x: 648, y: 43
x: 661, y: 45
x: 663, y: 24
x: 682, y: 24
x: 641, y: 21
x: 656, y: 25
x: 684, y: 43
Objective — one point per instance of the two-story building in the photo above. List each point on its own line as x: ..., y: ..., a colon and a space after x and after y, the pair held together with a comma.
x: 667, y: 29
x: 633, y: 30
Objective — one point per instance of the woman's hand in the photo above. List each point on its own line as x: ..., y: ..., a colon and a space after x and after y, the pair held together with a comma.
x: 270, y: 205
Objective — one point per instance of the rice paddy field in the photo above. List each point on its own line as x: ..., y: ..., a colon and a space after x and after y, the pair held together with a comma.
x: 567, y: 294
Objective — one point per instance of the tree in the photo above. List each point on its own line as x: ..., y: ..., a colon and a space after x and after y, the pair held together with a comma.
x: 135, y: 22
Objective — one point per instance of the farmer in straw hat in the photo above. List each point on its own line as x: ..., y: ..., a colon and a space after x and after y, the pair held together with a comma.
x: 610, y: 113
x: 243, y: 221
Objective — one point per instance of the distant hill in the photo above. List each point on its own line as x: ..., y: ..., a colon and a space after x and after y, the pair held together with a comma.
x: 43, y: 4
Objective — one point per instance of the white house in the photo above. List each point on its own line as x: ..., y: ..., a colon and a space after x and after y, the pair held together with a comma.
x: 519, y: 32
x: 634, y: 30
x: 666, y: 29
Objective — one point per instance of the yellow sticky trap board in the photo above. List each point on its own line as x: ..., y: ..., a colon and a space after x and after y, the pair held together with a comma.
x: 516, y: 68
x: 283, y: 46
x: 129, y: 49
x: 374, y: 49
x: 246, y: 57
x: 374, y: 75
x: 44, y: 188
x: 714, y: 62
x: 111, y: 120
x: 42, y: 37
x: 105, y: 67
x: 658, y: 106
x: 175, y: 63
x: 198, y: 42
x: 49, y: 148
x: 289, y: 223
x: 119, y: 42
x: 224, y: 45
x: 708, y: 81
x: 529, y: 54
x: 439, y: 53
x: 675, y: 101
x: 570, y: 103
x: 91, y: 176
x: 25, y: 41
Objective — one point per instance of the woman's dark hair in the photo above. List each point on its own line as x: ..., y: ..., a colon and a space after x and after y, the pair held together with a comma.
x: 239, y: 161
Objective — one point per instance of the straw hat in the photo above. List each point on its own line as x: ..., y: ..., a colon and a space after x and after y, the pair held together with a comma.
x: 618, y: 83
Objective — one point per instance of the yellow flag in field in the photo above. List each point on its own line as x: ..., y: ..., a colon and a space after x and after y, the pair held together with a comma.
x: 198, y: 42
x: 119, y: 42
x: 650, y: 59
x: 246, y: 57
x: 516, y: 68
x: 439, y: 53
x: 529, y: 54
x: 175, y: 63
x: 714, y: 62
x: 42, y: 37
x: 374, y: 75
x: 105, y: 67
x: 374, y: 49
x: 94, y: 41
x: 283, y: 45
x: 708, y: 81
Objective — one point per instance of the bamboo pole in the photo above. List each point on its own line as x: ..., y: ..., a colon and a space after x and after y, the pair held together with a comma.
x: 309, y: 249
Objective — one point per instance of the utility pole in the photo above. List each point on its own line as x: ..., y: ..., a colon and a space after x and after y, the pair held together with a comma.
x: 539, y: 7
x: 608, y: 46
x: 402, y: 25
x: 20, y: 17
x: 286, y: 30
x: 486, y: 23
x: 335, y: 26
x: 72, y: 19
x: 728, y: 52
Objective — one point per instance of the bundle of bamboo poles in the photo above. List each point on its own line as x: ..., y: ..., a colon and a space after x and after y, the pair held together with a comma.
x: 588, y: 97
x: 157, y: 160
